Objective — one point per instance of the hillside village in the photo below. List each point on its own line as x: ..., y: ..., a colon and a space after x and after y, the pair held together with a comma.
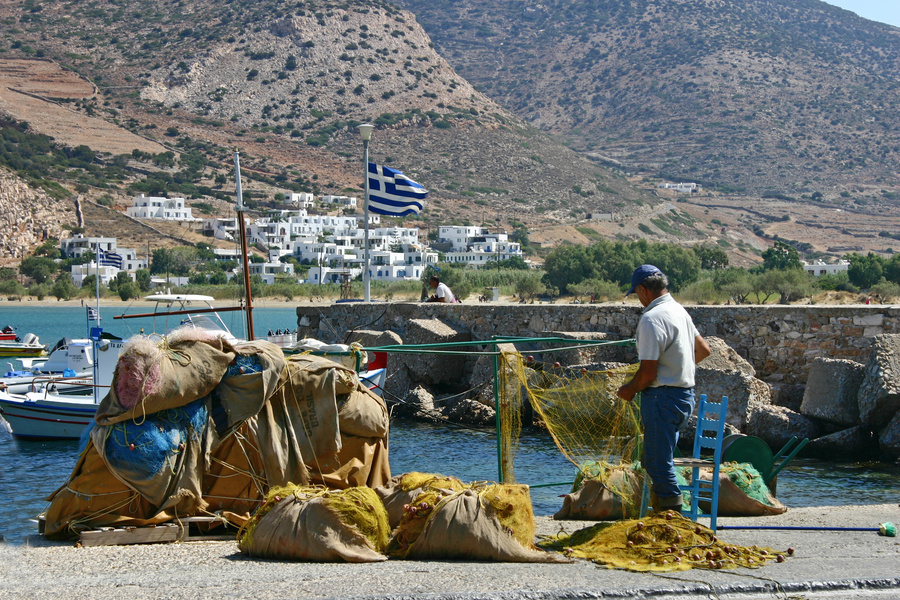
x: 332, y: 244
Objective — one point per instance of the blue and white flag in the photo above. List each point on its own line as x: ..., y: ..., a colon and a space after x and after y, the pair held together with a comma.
x: 92, y: 314
x: 393, y: 193
x: 110, y: 259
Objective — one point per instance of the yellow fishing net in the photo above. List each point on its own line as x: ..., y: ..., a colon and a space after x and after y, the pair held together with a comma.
x: 588, y: 421
x: 659, y: 542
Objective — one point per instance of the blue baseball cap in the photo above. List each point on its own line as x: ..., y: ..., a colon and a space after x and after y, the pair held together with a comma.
x: 640, y: 274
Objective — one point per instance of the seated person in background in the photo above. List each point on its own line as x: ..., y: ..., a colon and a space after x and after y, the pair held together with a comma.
x: 442, y: 293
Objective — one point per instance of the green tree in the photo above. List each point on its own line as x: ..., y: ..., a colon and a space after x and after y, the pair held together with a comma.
x: 864, y: 271
x: 127, y: 289
x: 596, y: 289
x: 39, y: 268
x: 530, y: 286
x: 218, y: 278
x: 568, y: 264
x: 735, y: 282
x: 711, y: 257
x: 891, y: 269
x: 791, y: 284
x: 11, y: 288
x: 63, y: 288
x: 781, y: 256
x: 142, y: 278
x: 7, y: 273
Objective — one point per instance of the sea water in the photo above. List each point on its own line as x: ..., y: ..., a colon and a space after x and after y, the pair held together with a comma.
x: 30, y: 471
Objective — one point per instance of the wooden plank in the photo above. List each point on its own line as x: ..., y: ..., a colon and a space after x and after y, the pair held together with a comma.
x: 131, y: 535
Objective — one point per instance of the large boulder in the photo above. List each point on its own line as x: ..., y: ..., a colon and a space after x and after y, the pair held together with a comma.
x: 723, y: 358
x: 374, y: 339
x: 576, y: 354
x: 879, y: 394
x: 832, y: 389
x: 776, y: 425
x: 469, y: 412
x: 788, y: 395
x: 889, y: 438
x: 430, y: 367
x: 854, y: 442
x: 745, y: 393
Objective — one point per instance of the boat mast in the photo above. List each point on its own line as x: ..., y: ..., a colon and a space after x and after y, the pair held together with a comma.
x: 244, y: 251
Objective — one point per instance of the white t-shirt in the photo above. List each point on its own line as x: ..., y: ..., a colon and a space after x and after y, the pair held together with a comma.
x: 444, y: 292
x: 666, y: 334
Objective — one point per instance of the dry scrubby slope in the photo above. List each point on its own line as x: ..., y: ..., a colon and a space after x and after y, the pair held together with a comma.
x: 786, y: 95
x: 280, y: 75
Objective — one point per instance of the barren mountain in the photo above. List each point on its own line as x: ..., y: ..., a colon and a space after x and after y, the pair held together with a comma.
x: 778, y: 96
x: 792, y: 102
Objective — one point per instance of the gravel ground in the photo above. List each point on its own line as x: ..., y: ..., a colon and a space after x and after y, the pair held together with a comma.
x: 827, y: 563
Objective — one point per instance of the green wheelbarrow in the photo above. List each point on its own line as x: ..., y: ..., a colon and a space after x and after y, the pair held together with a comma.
x: 750, y: 449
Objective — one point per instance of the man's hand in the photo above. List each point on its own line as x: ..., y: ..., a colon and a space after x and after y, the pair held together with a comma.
x: 642, y: 379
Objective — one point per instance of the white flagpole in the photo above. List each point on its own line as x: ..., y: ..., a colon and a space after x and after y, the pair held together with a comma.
x: 365, y: 132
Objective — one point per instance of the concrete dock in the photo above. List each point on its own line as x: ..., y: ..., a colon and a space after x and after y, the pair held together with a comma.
x: 827, y: 563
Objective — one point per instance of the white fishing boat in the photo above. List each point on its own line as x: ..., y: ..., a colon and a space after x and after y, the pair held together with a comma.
x: 51, y: 411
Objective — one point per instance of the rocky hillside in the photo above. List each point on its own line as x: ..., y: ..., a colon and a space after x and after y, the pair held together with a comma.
x: 287, y: 84
x: 28, y: 218
x: 778, y: 96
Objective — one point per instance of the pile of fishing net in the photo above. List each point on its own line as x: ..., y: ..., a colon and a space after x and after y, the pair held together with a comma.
x: 604, y: 491
x: 415, y: 516
x: 195, y: 425
x: 313, y: 523
x: 660, y: 542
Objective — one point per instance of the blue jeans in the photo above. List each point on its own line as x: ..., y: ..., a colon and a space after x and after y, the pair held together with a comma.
x: 664, y: 411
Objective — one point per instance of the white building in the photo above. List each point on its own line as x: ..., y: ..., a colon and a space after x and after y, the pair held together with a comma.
x: 681, y: 188
x: 300, y: 200
x: 345, y: 201
x: 221, y: 229
x: 476, y: 246
x: 153, y: 207
x: 819, y: 268
x: 112, y: 258
x: 81, y: 272
x: 268, y: 271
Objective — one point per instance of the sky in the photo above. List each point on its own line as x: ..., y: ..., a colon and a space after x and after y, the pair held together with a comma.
x: 885, y: 11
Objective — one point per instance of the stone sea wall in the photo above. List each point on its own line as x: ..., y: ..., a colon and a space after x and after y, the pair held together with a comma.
x: 779, y: 341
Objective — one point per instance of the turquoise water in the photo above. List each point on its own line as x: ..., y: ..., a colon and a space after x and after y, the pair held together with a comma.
x: 29, y: 471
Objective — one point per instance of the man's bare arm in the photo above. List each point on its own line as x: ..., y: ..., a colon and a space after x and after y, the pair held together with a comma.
x: 701, y: 348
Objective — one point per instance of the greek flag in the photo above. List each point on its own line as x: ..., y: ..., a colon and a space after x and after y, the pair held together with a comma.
x: 92, y: 314
x: 393, y: 193
x: 110, y: 259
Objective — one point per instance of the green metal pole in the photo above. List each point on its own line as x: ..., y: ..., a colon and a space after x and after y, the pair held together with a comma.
x: 498, y: 419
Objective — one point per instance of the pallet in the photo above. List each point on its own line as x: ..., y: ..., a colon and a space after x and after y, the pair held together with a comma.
x: 188, y: 529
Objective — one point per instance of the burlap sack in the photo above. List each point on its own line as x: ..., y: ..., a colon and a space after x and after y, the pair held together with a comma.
x: 464, y: 527
x: 363, y: 413
x: 240, y: 396
x: 733, y: 502
x: 361, y: 462
x: 395, y: 494
x: 93, y: 497
x: 153, y: 376
x: 298, y: 528
x: 595, y: 501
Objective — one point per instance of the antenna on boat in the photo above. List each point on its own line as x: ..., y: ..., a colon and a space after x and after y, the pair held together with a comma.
x: 244, y: 251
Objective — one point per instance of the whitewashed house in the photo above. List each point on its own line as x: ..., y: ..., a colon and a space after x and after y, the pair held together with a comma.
x: 475, y: 246
x: 153, y: 207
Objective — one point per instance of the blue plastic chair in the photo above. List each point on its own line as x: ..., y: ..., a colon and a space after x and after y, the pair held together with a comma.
x: 708, y: 436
